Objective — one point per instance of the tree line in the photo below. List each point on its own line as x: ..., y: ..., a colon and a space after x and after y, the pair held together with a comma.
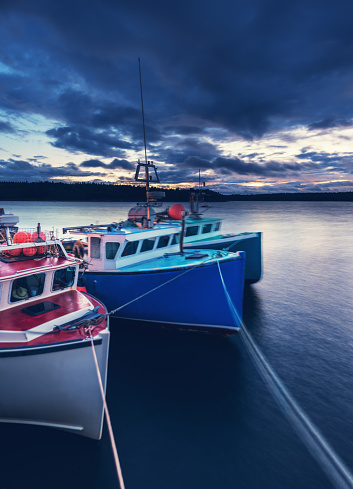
x: 101, y: 192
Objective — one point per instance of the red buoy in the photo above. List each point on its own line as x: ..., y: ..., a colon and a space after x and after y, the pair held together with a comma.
x: 29, y: 251
x: 34, y: 236
x: 21, y: 237
x: 176, y: 211
x: 15, y: 252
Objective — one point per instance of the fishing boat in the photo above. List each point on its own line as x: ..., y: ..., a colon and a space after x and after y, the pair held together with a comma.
x: 144, y: 274
x: 141, y: 271
x: 54, y: 339
x: 201, y: 232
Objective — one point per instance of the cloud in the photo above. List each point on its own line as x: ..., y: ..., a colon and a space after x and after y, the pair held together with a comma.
x: 237, y: 72
x: 85, y: 140
x: 6, y: 127
x: 330, y: 122
x: 20, y: 170
x: 115, y: 164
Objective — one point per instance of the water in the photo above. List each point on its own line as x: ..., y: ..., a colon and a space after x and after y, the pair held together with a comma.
x: 191, y: 411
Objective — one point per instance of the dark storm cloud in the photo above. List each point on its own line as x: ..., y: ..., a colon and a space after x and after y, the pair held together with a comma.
x: 86, y: 141
x: 226, y: 69
x: 6, y: 127
x: 330, y: 122
x: 122, y: 164
x: 252, y: 65
x: 188, y: 170
x: 329, y: 161
x: 21, y: 170
x: 272, y: 168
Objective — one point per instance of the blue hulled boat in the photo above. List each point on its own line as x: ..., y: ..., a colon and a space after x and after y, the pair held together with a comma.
x: 142, y: 272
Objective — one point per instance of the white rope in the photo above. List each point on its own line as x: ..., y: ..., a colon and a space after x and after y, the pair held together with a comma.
x: 111, y: 434
x: 325, y: 455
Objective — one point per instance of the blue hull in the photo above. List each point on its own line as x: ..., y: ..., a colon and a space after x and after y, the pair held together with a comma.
x: 196, y: 299
x: 240, y: 242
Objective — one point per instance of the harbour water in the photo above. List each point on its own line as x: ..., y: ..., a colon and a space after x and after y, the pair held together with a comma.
x: 191, y: 410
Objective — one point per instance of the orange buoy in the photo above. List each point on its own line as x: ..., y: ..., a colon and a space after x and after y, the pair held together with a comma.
x: 14, y: 252
x: 34, y: 236
x: 29, y: 251
x: 21, y: 237
x: 176, y: 211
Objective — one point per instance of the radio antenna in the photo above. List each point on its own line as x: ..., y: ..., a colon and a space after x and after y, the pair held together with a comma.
x: 143, y: 114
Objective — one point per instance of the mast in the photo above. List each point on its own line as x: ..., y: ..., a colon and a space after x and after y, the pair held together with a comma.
x: 145, y: 145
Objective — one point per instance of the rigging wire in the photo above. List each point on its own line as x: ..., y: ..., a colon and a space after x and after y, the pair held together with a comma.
x: 318, y: 446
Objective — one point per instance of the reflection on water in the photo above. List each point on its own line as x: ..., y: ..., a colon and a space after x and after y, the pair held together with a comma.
x: 190, y: 410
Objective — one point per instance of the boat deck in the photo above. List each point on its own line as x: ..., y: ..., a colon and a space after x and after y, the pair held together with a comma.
x: 15, y: 319
x: 176, y: 261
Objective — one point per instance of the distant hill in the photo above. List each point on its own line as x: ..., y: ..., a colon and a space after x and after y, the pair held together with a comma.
x: 90, y: 192
x: 101, y: 192
x: 297, y: 197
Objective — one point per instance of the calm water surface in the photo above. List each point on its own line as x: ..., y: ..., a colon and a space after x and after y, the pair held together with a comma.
x: 190, y: 410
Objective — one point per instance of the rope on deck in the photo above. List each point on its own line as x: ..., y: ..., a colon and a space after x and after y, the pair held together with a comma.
x: 107, y: 416
x: 321, y: 450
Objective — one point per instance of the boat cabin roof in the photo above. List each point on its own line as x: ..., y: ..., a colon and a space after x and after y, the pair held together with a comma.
x: 121, y: 229
x: 16, y: 268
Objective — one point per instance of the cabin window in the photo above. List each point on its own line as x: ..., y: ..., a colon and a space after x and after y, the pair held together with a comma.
x: 163, y: 241
x: 111, y: 249
x: 25, y: 287
x: 147, y: 244
x: 217, y: 226
x: 192, y: 231
x: 130, y: 248
x: 64, y: 278
x: 206, y: 228
x: 176, y: 239
x: 95, y: 247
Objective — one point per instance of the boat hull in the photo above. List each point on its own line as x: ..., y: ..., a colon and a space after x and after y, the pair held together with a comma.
x: 248, y: 242
x: 55, y: 385
x: 193, y: 297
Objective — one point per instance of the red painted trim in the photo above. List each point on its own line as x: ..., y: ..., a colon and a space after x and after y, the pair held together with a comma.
x: 14, y: 269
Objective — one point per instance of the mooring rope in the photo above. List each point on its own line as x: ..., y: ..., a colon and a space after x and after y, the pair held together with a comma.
x: 325, y: 455
x: 107, y: 416
x: 159, y: 286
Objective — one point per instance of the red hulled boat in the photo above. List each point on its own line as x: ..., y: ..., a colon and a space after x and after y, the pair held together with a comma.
x: 50, y: 334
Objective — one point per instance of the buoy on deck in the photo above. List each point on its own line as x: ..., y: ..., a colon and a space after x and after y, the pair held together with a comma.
x: 21, y: 237
x: 176, y: 211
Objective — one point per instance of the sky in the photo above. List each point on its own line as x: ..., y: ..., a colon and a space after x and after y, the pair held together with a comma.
x: 256, y: 96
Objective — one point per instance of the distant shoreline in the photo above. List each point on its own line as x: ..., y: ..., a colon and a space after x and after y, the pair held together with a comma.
x: 100, y: 192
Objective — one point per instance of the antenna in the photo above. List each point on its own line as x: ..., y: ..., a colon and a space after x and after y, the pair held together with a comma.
x: 146, y: 162
x: 143, y: 113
